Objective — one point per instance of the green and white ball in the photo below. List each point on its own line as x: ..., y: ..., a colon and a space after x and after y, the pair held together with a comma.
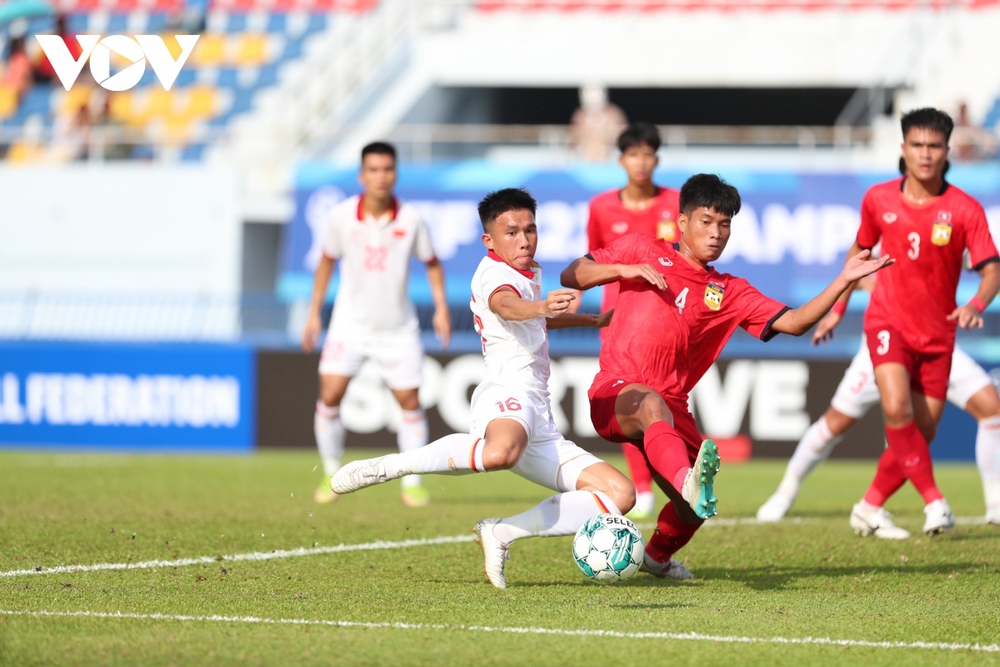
x: 608, y: 548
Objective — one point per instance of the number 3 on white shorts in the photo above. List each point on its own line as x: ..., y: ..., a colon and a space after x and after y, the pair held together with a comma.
x: 883, y: 342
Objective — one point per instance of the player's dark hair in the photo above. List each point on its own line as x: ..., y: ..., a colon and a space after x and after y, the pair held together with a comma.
x: 499, y: 202
x: 378, y: 148
x: 710, y: 191
x: 928, y: 119
x: 637, y: 134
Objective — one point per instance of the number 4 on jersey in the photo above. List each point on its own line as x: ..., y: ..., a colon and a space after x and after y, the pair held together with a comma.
x: 681, y: 300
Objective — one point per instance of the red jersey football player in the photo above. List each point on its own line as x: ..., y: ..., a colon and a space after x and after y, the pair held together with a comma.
x: 675, y: 313
x: 643, y: 207
x: 927, y: 224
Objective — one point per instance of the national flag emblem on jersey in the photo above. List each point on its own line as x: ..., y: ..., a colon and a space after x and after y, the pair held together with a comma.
x: 666, y: 230
x: 399, y: 233
x: 713, y: 296
x: 941, y: 233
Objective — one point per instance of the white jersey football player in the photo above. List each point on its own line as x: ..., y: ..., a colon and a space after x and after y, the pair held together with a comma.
x: 512, y: 424
x: 373, y: 236
x: 969, y: 388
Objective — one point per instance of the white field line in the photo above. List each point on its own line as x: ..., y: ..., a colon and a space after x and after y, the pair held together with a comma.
x: 615, y: 634
x: 256, y: 555
x: 342, y: 548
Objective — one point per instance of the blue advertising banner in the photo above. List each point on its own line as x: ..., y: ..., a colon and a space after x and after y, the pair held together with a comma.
x: 789, y: 240
x: 127, y: 396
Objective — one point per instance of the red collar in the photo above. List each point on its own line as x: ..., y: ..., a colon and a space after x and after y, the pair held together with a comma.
x: 497, y: 258
x: 361, y: 208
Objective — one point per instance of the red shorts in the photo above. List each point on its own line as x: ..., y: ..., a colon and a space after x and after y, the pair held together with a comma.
x: 928, y: 372
x: 603, y: 394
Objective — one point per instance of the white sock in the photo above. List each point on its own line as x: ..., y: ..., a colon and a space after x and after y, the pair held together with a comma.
x: 814, y: 448
x: 412, y: 435
x: 988, y: 461
x: 562, y: 514
x: 329, y: 432
x: 456, y: 454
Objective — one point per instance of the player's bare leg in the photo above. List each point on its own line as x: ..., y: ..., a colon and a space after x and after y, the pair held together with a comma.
x: 985, y: 407
x: 412, y: 435
x: 814, y: 448
x: 643, y: 414
x: 910, y: 422
x: 329, y: 431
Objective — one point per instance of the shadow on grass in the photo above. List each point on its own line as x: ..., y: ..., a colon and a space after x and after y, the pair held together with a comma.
x: 778, y: 577
x: 651, y: 606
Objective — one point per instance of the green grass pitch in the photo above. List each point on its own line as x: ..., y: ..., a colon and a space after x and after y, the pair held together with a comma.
x: 802, y: 592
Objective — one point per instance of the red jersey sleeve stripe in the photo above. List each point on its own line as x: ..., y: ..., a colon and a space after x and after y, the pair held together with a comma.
x: 767, y: 333
x: 504, y: 286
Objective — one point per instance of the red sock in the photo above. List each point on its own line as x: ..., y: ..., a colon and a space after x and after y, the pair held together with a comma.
x: 666, y: 452
x: 914, y: 457
x: 671, y: 534
x: 889, y: 477
x: 638, y: 467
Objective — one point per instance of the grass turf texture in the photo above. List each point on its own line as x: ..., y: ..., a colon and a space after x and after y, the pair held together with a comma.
x: 793, y: 580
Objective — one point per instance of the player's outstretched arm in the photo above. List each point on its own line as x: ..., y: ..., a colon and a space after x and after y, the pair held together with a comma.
x: 507, y: 304
x: 442, y: 316
x: 314, y: 325
x: 571, y: 319
x: 969, y: 316
x: 799, y: 320
x: 585, y: 273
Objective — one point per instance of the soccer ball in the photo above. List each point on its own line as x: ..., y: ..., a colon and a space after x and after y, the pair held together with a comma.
x: 608, y: 548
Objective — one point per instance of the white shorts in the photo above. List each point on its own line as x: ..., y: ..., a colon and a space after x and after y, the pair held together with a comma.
x: 549, y: 459
x: 399, y: 356
x: 857, y: 392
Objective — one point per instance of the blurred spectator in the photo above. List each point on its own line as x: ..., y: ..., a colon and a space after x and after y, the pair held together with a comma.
x: 970, y: 142
x: 106, y: 131
x: 70, y: 136
x: 44, y: 72
x: 595, y: 126
x: 17, y: 75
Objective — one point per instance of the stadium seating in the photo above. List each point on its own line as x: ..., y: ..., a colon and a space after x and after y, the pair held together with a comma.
x: 243, y: 45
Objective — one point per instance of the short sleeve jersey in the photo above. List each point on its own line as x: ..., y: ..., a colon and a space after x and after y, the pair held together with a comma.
x: 668, y: 339
x: 915, y: 295
x: 374, y: 257
x: 609, y: 221
x: 517, y: 353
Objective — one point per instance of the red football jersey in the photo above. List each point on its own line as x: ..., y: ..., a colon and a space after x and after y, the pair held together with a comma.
x: 668, y: 339
x: 610, y: 220
x: 917, y: 294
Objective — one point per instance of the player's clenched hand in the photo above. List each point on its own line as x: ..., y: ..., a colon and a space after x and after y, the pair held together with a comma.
x: 604, y: 319
x: 442, y: 326
x: 824, y: 330
x: 863, y: 264
x: 968, y: 317
x: 310, y: 336
x: 642, y: 272
x: 557, y: 302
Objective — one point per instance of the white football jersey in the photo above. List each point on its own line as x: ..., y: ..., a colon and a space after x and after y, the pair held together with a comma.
x: 374, y: 257
x: 517, y: 353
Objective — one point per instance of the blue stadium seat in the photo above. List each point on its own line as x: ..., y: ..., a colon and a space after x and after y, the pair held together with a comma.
x: 237, y: 23
x: 117, y: 24
x: 277, y: 22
